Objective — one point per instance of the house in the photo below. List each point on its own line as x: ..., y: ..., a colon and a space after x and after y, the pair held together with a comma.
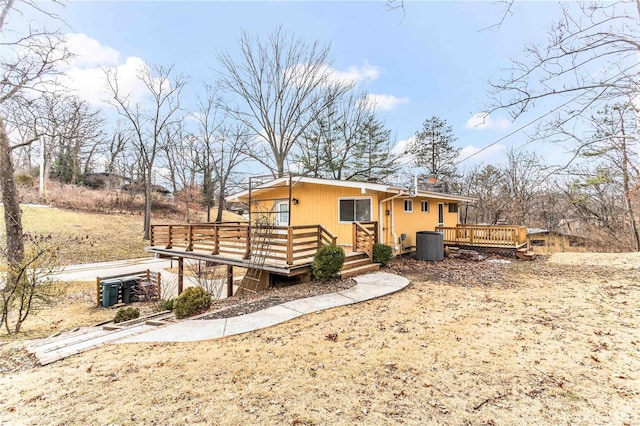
x: 395, y: 213
x: 548, y: 241
x: 292, y: 216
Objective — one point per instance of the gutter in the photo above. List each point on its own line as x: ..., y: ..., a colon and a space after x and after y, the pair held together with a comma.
x: 380, y: 216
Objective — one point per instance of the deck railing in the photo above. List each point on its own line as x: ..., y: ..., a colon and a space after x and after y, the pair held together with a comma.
x: 485, y: 235
x: 285, y: 243
x: 365, y: 234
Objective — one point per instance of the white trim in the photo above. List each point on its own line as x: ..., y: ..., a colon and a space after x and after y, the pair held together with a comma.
x: 410, y: 200
x: 422, y: 204
x: 363, y: 186
x: 356, y: 198
x: 440, y: 206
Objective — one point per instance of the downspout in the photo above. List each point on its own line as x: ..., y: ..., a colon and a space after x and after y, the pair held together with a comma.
x: 380, y: 227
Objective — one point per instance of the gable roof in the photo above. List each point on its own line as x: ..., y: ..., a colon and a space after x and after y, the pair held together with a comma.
x: 349, y: 184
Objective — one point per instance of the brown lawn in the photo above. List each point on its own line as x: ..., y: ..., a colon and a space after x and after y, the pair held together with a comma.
x: 524, y: 343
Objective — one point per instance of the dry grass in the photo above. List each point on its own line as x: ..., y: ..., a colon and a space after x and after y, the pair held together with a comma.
x: 97, y: 237
x: 561, y: 346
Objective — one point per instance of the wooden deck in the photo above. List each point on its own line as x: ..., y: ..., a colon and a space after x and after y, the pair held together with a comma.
x: 287, y: 250
x: 486, y: 236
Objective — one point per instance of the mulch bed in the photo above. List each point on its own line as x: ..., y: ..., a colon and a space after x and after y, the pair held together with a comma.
x: 248, y: 303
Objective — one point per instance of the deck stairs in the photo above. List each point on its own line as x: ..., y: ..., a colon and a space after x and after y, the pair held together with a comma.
x: 525, y: 254
x: 356, y: 264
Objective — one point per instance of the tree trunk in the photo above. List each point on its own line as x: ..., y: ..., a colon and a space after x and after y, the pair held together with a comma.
x: 220, y: 202
x: 12, y: 214
x: 147, y: 204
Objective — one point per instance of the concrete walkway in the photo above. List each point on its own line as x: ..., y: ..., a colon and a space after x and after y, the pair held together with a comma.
x: 368, y: 286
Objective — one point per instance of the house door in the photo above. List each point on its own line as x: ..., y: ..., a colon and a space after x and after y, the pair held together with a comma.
x: 440, y: 214
x: 281, y: 213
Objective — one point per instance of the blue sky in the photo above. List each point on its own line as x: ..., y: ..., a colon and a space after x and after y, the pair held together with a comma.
x: 433, y: 59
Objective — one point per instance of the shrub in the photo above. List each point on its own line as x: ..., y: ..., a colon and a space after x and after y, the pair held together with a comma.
x: 167, y: 305
x: 126, y: 314
x: 23, y: 179
x: 382, y: 253
x: 328, y: 262
x: 192, y: 301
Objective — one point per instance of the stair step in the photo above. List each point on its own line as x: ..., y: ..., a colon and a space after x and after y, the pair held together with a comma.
x: 350, y: 264
x: 525, y: 254
x: 359, y: 270
x: 156, y: 323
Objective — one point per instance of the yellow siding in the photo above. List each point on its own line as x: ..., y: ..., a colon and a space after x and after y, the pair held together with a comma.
x: 318, y: 204
x: 410, y: 223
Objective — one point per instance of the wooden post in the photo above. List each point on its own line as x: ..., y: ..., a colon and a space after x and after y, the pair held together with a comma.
x: 170, y: 236
x: 355, y: 238
x: 319, y: 236
x: 180, y: 274
x: 289, y: 245
x: 216, y: 240
x: 98, y: 288
x: 247, y: 251
x: 229, y: 280
x: 159, y: 284
x: 190, y: 238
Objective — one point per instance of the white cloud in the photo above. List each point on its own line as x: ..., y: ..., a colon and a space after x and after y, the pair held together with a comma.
x: 352, y: 75
x: 84, y: 73
x: 89, y: 52
x: 401, y: 146
x: 384, y: 102
x: 473, y: 155
x: 482, y: 121
x: 364, y: 74
x: 90, y: 84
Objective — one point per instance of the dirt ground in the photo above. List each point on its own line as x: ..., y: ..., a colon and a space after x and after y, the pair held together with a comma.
x: 545, y: 342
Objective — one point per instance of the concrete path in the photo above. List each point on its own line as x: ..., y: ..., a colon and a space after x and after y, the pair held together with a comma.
x: 90, y: 271
x: 368, y: 286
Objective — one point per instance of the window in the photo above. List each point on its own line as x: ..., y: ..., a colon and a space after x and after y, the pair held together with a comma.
x: 424, y: 206
x: 355, y: 210
x: 453, y: 208
x: 408, y: 206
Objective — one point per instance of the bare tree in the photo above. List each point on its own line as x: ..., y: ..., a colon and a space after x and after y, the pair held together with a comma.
x: 590, y: 59
x: 523, y: 179
x: 327, y: 146
x: 148, y: 121
x: 28, y: 57
x: 605, y: 139
x: 282, y: 84
x: 223, y: 142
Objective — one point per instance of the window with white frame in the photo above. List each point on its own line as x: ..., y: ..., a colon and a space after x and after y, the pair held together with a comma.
x: 408, y: 206
x: 354, y: 209
x: 424, y: 206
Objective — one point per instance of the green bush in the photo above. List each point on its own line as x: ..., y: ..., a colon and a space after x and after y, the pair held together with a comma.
x: 167, y: 305
x: 382, y: 253
x: 192, y: 301
x: 126, y: 314
x: 327, y: 263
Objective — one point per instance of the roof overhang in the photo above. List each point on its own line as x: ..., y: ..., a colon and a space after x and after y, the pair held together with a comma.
x: 367, y: 186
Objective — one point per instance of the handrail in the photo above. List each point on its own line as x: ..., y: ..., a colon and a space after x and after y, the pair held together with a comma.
x: 484, y: 235
x: 287, y: 243
x: 363, y: 238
